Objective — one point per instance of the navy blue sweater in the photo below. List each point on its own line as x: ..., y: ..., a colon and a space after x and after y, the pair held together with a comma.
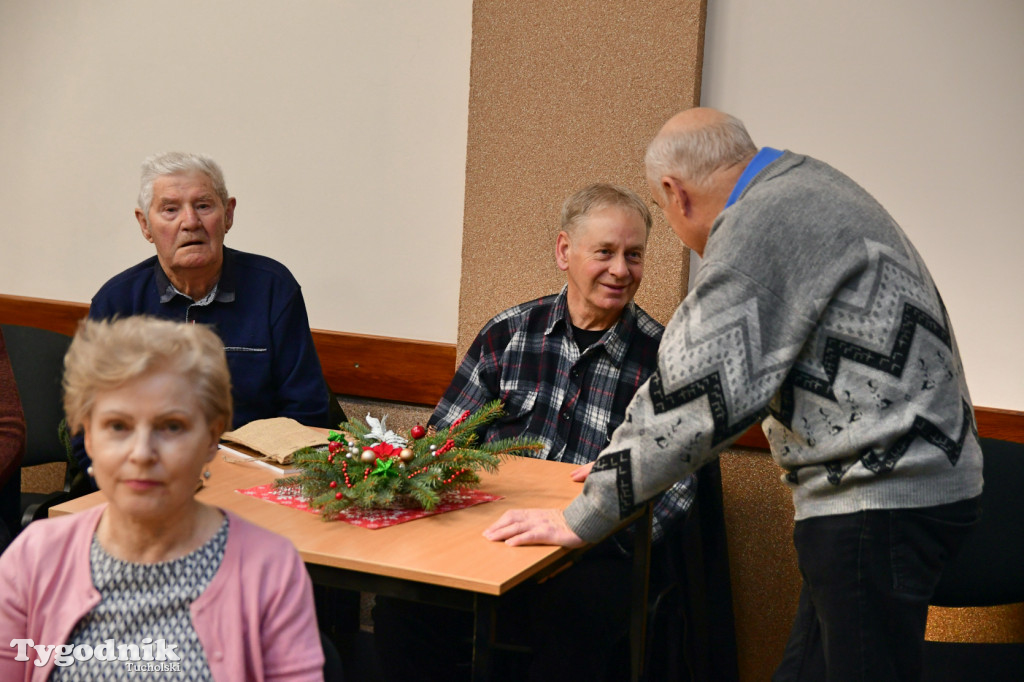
x: 259, y: 314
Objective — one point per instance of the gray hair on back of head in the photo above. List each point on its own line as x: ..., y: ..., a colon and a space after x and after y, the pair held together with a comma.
x: 583, y: 202
x: 173, y: 163
x: 696, y: 154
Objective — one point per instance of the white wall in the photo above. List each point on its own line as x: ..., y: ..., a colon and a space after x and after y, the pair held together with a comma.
x: 922, y: 102
x: 340, y: 125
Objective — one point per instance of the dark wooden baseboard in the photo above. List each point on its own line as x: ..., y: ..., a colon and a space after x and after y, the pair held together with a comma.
x: 403, y: 370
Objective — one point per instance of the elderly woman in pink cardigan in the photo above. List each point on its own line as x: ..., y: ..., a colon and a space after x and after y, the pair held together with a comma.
x: 153, y: 581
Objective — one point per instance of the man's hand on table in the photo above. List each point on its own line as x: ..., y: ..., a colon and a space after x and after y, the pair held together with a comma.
x: 579, y: 475
x: 533, y: 527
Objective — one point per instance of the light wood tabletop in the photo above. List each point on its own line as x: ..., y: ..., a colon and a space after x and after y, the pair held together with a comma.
x: 445, y: 549
x: 443, y: 558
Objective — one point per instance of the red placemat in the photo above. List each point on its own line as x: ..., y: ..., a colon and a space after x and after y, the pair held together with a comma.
x: 371, y: 518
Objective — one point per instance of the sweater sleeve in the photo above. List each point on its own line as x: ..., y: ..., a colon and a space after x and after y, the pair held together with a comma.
x: 301, y: 389
x: 725, y: 353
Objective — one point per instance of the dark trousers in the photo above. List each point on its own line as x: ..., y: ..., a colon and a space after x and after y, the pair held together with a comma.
x: 867, y: 580
x: 575, y: 624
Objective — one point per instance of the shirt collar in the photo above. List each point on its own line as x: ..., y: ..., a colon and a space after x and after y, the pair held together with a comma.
x: 762, y: 159
x: 615, y: 341
x: 223, y: 291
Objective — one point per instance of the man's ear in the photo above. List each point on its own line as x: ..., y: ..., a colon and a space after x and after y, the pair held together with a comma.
x: 675, y: 194
x: 562, y: 246
x: 143, y: 225
x: 229, y: 215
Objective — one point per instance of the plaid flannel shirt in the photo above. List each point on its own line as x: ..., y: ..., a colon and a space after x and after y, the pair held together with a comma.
x: 570, y: 401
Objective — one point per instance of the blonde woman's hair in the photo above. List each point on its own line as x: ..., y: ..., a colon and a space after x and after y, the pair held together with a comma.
x: 105, y: 355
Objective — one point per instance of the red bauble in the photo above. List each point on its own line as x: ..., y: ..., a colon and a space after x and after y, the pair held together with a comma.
x: 338, y: 496
x: 334, y: 484
x: 418, y: 431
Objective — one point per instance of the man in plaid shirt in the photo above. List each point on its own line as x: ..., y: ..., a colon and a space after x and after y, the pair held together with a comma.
x: 568, y: 395
x: 565, y: 366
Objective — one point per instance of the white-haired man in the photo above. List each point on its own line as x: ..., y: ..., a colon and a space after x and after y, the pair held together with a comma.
x: 252, y: 302
x: 813, y: 314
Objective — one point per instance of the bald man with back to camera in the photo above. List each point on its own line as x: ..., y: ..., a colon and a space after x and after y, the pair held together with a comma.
x: 811, y: 313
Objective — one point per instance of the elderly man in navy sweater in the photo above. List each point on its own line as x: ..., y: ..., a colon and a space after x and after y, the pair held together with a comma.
x: 252, y: 302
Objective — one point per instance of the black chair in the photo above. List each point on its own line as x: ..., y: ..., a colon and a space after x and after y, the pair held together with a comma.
x: 988, y: 571
x: 37, y: 358
x: 333, y: 669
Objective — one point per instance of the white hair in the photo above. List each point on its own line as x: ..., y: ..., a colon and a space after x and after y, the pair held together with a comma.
x: 172, y: 163
x: 695, y: 154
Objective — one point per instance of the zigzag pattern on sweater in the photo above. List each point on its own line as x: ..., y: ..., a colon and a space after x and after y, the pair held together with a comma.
x: 885, y: 461
x: 885, y: 290
x: 620, y: 462
x: 737, y: 376
x: 710, y: 386
x: 892, y: 363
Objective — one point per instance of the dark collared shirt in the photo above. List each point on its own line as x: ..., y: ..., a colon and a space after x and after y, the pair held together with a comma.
x: 569, y: 400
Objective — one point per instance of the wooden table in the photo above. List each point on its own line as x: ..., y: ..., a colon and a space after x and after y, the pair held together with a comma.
x: 442, y: 559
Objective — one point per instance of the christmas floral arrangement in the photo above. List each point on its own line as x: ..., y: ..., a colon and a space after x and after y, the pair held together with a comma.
x: 368, y: 466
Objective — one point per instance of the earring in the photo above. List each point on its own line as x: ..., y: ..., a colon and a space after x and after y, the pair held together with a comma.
x: 88, y: 470
x: 207, y: 474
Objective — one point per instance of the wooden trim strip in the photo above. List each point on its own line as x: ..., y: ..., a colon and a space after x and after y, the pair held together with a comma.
x: 385, y: 368
x: 42, y: 313
x: 403, y: 370
x: 376, y: 367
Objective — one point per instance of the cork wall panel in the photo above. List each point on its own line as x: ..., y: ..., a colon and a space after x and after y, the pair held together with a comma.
x: 564, y: 93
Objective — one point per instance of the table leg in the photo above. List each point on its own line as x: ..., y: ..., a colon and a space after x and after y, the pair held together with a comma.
x: 485, y: 608
x: 641, y: 573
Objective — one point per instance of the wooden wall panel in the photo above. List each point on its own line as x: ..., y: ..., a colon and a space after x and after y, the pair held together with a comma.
x: 564, y: 93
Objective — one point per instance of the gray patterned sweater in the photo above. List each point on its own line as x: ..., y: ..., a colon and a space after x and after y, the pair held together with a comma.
x: 812, y: 313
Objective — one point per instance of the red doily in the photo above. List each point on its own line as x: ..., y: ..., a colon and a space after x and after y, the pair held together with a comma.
x: 372, y: 518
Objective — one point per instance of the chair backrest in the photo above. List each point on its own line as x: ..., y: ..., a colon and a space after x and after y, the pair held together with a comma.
x: 989, y: 570
x: 37, y: 358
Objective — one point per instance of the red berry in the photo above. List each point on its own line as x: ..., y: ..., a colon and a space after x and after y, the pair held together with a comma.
x: 334, y: 484
x: 418, y: 431
x: 338, y: 496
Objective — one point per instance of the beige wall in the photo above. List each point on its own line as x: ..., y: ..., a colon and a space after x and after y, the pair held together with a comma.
x: 921, y: 103
x: 342, y: 127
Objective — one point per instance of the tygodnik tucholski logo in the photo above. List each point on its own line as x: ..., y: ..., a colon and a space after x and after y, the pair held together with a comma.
x: 148, y: 656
